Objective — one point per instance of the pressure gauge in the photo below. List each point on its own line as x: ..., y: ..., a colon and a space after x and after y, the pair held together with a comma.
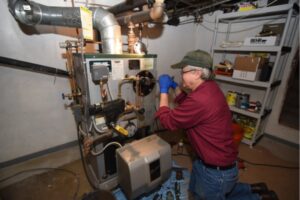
x: 146, y: 83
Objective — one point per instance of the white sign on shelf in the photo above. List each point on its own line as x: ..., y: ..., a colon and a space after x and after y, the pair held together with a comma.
x: 260, y: 41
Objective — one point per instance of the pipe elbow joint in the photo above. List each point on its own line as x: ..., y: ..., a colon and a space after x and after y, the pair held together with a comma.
x: 26, y: 13
x: 109, y: 29
x: 157, y: 10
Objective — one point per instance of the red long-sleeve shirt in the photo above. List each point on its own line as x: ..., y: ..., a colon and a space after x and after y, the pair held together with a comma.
x: 205, y: 116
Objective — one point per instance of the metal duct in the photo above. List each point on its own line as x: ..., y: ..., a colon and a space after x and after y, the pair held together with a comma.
x: 33, y: 13
x: 153, y: 14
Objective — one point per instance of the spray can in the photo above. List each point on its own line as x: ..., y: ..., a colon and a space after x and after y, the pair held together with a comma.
x: 231, y: 98
x: 238, y: 100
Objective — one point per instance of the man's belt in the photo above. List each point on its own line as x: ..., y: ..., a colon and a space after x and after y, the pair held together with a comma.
x: 219, y: 167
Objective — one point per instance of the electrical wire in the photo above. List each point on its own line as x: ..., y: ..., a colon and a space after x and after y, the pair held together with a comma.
x: 269, y: 165
x: 81, y: 131
x: 47, y: 168
x: 105, y: 147
x: 238, y: 31
x: 210, y: 6
x: 91, y: 126
x: 84, y: 161
x: 109, y: 93
x: 197, y: 10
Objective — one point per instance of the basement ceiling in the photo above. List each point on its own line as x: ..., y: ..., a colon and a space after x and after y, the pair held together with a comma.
x: 181, y: 8
x: 195, y: 8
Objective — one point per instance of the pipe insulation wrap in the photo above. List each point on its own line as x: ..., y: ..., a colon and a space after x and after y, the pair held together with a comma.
x: 33, y: 13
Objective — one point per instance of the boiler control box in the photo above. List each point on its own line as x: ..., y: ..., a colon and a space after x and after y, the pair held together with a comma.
x: 143, y: 165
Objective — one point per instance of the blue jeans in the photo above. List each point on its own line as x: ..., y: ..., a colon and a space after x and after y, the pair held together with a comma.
x: 213, y: 184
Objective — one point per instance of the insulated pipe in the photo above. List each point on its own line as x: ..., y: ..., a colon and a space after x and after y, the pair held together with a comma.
x: 33, y: 13
x: 33, y: 67
x: 126, y: 6
x: 153, y: 14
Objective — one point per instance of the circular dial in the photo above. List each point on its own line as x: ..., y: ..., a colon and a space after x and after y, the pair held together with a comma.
x: 145, y: 84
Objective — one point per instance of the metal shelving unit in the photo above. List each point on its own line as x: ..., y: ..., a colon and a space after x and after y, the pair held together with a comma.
x: 289, y: 14
x: 249, y: 48
x: 258, y: 84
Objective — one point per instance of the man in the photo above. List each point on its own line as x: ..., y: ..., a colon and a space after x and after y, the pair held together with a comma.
x: 205, y: 115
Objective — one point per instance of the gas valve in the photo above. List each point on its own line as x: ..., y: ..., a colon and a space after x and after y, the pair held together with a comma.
x: 69, y: 96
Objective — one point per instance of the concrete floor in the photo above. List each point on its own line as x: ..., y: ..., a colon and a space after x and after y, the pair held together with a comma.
x: 59, y: 184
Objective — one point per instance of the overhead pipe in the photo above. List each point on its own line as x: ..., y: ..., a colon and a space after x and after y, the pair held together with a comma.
x: 154, y: 13
x: 126, y: 6
x: 33, y: 13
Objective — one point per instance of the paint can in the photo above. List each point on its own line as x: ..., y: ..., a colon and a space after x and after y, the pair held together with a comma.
x: 231, y: 98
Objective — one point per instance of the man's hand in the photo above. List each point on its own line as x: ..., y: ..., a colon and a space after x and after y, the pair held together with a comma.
x: 165, y: 82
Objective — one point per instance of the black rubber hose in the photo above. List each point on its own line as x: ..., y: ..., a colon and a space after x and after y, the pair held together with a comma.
x: 33, y: 67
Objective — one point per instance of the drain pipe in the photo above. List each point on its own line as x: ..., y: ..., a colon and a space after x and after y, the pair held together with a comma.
x: 153, y: 14
x: 31, y: 13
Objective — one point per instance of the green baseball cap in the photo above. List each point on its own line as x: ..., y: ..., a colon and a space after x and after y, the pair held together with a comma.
x: 197, y: 58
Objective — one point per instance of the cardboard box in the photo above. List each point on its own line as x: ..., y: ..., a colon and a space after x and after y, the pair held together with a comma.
x: 260, y: 41
x: 247, y: 68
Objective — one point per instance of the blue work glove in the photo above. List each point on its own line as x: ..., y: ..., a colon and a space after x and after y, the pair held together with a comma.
x: 174, y: 84
x: 165, y: 82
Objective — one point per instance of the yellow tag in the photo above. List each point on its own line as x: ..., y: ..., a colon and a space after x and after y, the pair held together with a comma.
x: 121, y: 130
x: 86, y: 23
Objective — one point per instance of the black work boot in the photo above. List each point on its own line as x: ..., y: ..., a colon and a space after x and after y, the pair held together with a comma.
x: 259, y: 188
